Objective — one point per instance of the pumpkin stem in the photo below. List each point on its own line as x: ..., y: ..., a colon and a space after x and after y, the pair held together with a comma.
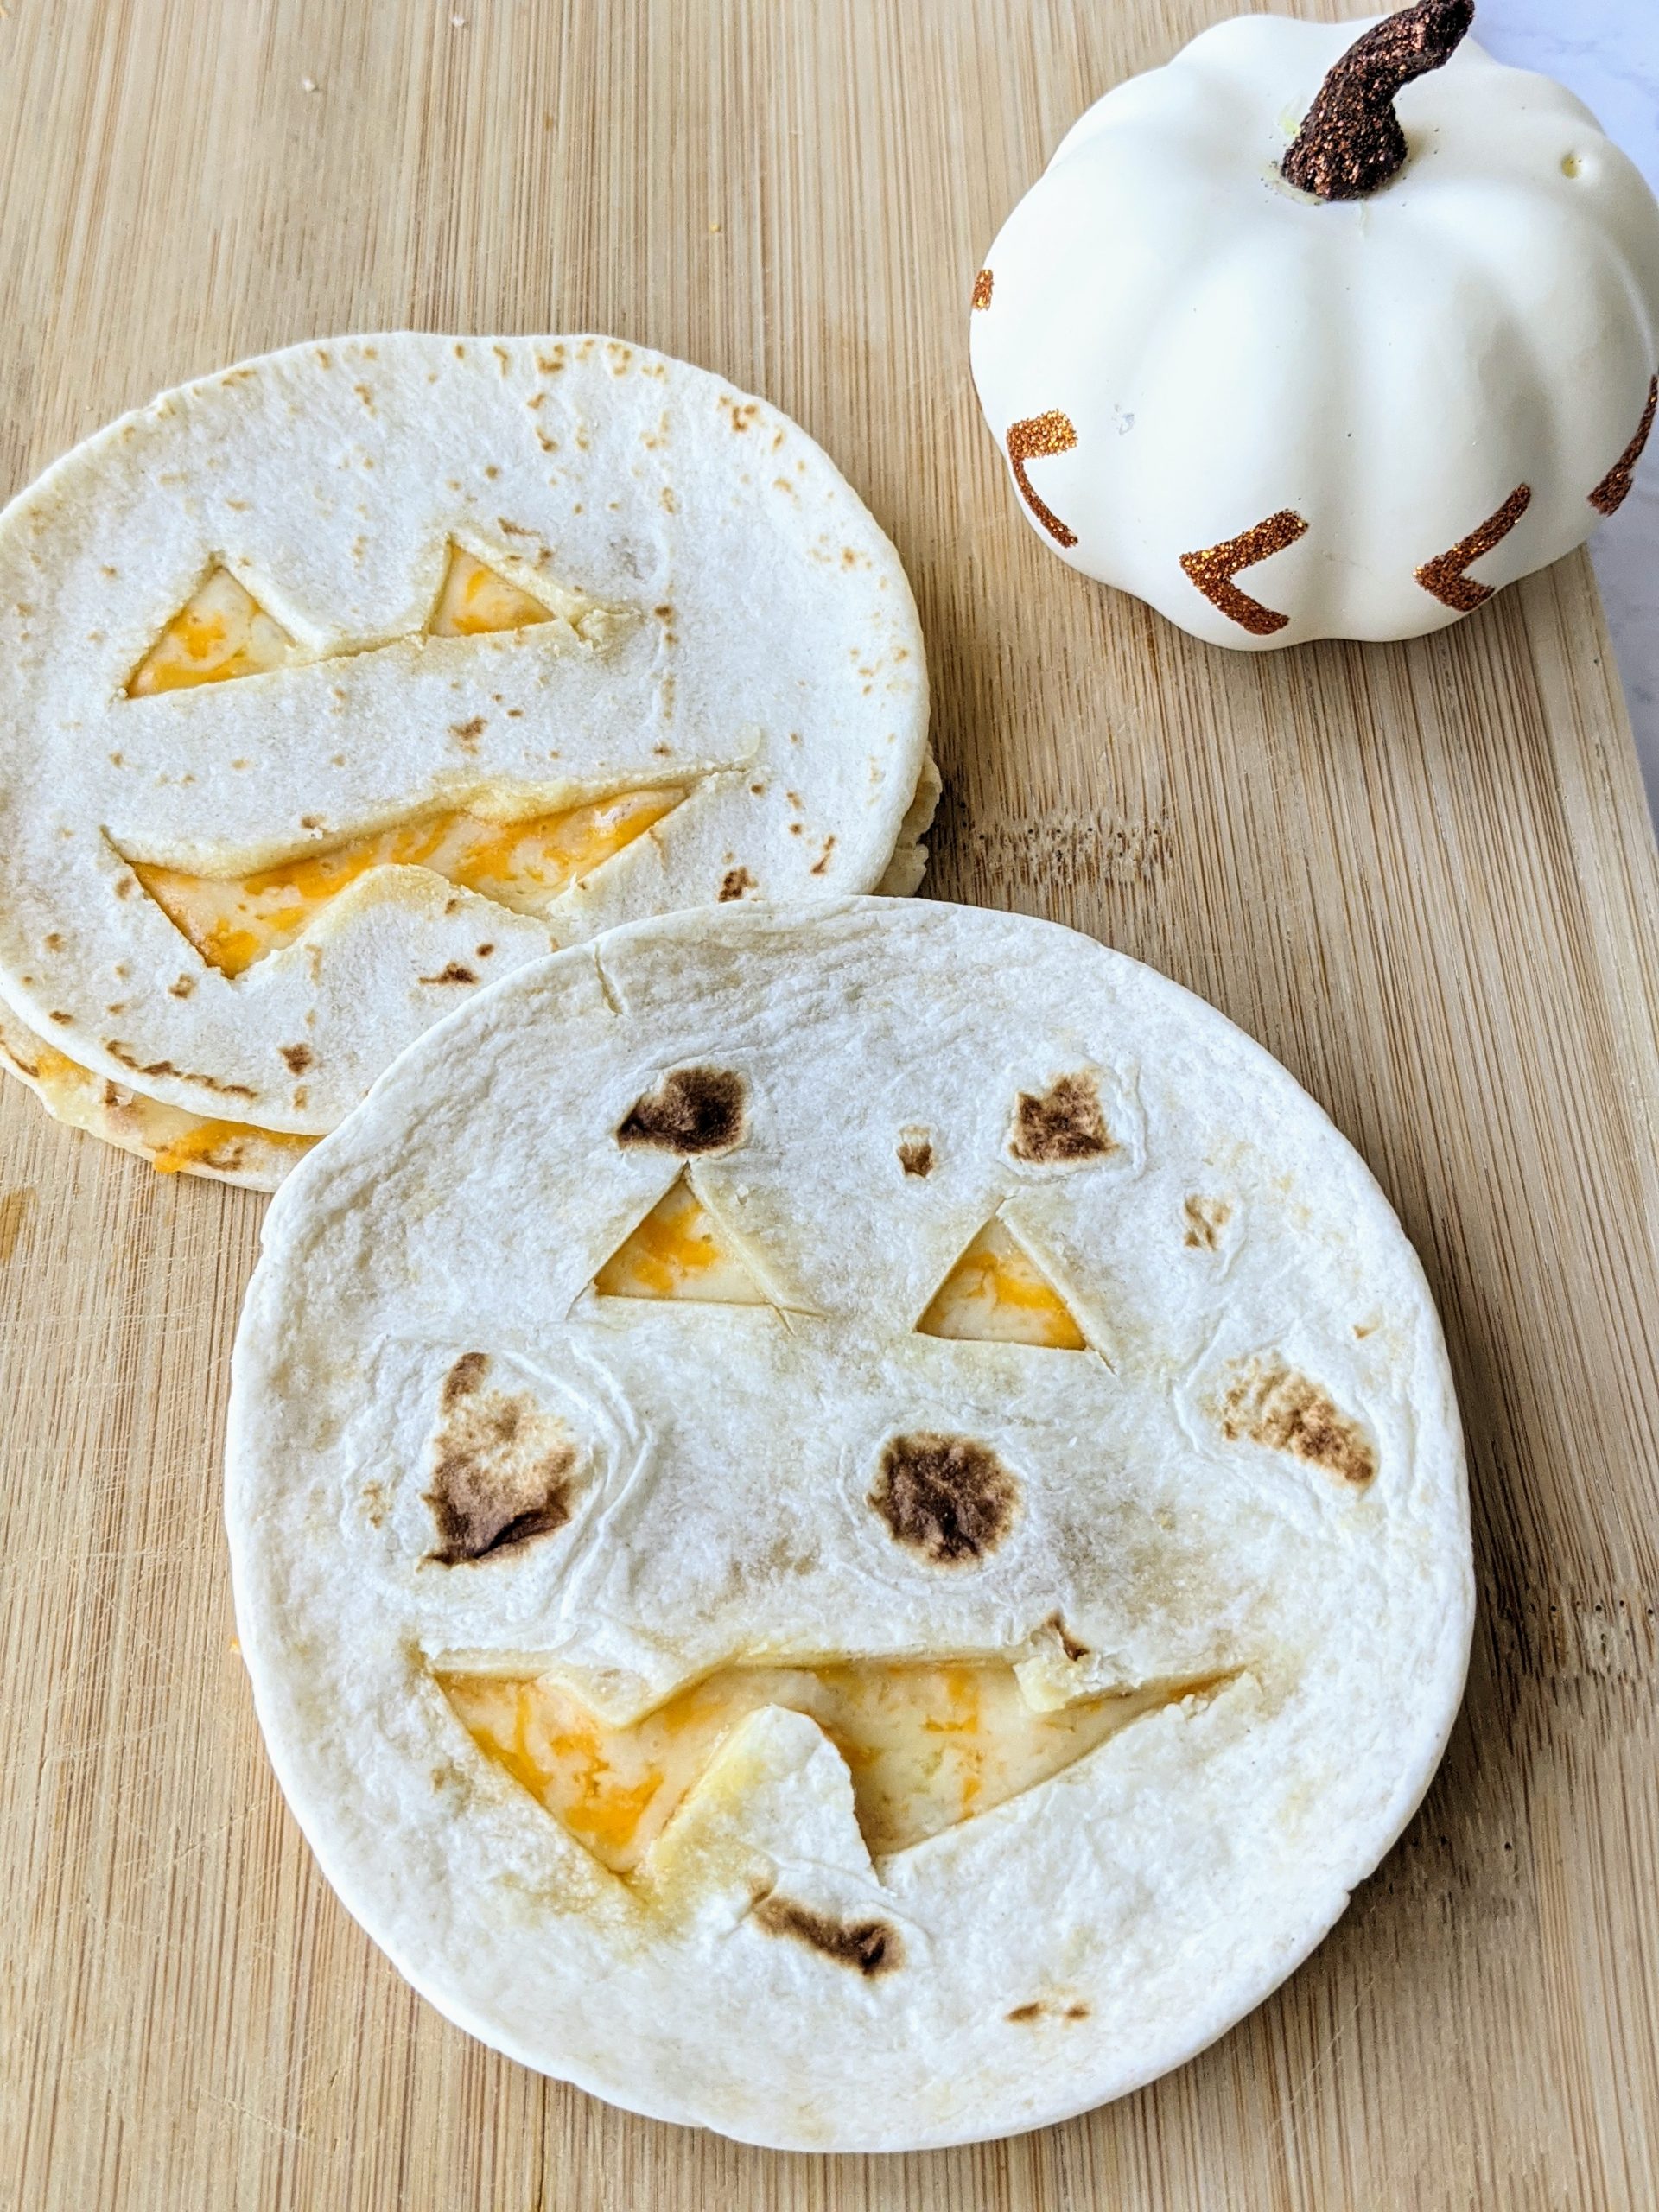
x: 1351, y: 141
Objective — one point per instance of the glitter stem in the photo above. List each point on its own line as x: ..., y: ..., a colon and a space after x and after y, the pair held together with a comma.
x: 1351, y: 141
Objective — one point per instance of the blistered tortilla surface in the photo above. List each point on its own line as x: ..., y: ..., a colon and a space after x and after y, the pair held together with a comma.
x: 770, y: 1713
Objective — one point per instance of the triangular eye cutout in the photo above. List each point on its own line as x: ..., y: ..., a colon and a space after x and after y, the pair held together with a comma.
x: 475, y: 599
x: 678, y: 1251
x: 997, y: 1293
x: 221, y: 631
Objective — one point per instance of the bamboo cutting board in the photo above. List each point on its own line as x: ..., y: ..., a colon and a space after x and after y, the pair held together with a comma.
x: 1422, y: 875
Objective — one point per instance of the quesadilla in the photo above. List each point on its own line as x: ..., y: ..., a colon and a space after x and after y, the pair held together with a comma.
x: 335, y: 686
x: 849, y: 1522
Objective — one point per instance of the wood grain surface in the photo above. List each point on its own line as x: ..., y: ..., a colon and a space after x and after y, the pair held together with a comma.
x: 1422, y: 875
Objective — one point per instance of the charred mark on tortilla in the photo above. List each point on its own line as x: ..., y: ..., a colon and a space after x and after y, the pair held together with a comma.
x: 1206, y: 1219
x: 502, y: 1473
x: 733, y: 884
x: 1061, y: 1124
x: 947, y: 1497
x: 1037, y: 2009
x: 299, y: 1057
x: 1269, y: 1403
x: 128, y: 1059
x: 692, y: 1110
x: 1069, y: 1644
x: 455, y: 973
x: 916, y: 1151
x: 869, y: 1947
x: 464, y: 1377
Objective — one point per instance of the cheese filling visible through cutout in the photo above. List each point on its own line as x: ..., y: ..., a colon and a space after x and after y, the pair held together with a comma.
x: 678, y: 1252
x: 474, y: 600
x: 997, y: 1293
x: 524, y: 865
x: 219, y: 633
x: 927, y: 1744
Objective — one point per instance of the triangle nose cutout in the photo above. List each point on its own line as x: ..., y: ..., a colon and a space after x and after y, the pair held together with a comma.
x: 221, y: 631
x: 997, y: 1293
x: 475, y: 598
x: 678, y: 1251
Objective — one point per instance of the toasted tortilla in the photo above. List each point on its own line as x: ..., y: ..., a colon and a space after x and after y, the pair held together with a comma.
x: 848, y: 1522
x: 336, y: 686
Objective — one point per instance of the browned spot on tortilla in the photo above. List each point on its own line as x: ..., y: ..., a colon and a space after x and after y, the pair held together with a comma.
x: 298, y: 1057
x: 13, y: 1213
x: 734, y: 883
x: 1270, y: 1403
x: 823, y: 860
x: 467, y: 735
x: 464, y: 1376
x: 119, y: 1051
x: 502, y: 1472
x: 1206, y: 1219
x: 1037, y: 2009
x: 53, y: 941
x: 1062, y: 1123
x: 1068, y: 1642
x: 182, y: 986
x: 692, y: 1110
x: 482, y: 951
x: 125, y: 886
x: 947, y: 1497
x: 55, y: 1016
x: 916, y: 1155
x: 455, y: 973
x: 870, y: 1946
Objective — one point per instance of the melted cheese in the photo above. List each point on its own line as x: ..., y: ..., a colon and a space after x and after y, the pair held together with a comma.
x: 169, y: 1137
x: 997, y: 1294
x: 678, y: 1252
x: 475, y: 599
x: 524, y: 865
x: 220, y: 632
x: 926, y: 1744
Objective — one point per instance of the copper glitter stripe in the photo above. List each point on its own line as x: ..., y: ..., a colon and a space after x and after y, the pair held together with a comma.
x: 1614, y: 488
x: 1031, y: 440
x: 1443, y: 577
x: 982, y: 284
x: 1213, y: 570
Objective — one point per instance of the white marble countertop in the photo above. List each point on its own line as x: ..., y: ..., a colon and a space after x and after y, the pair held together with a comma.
x: 1607, y: 52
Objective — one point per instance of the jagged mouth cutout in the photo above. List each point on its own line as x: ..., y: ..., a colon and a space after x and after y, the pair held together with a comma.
x: 521, y: 861
x: 928, y: 1743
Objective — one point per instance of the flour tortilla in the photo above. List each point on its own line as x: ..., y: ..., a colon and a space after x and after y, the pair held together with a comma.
x: 1215, y: 1235
x: 733, y: 624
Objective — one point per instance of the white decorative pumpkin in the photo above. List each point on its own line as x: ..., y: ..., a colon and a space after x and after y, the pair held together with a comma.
x: 1278, y: 417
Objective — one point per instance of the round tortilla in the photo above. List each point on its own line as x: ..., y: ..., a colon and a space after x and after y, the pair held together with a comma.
x: 1208, y: 1551
x: 685, y: 610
